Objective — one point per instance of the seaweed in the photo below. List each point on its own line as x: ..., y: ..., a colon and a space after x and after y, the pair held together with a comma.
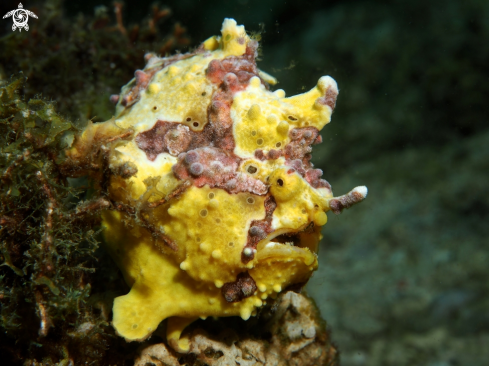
x: 56, y: 283
x: 48, y: 250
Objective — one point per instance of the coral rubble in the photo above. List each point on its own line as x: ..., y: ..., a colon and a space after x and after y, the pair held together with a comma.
x: 215, y: 205
x: 298, y: 337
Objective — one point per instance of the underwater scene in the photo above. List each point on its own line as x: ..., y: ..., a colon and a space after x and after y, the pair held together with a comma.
x: 212, y: 183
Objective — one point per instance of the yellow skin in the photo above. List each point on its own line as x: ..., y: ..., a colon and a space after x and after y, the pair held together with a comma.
x: 208, y: 225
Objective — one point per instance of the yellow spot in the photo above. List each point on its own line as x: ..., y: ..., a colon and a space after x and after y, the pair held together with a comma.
x: 262, y: 287
x: 153, y: 88
x: 280, y: 93
x: 173, y: 70
x: 254, y: 112
x: 255, y: 82
x: 320, y: 218
x: 245, y: 313
x: 184, y: 266
x: 184, y: 344
x: 283, y: 128
x: 277, y: 288
x: 212, y: 300
x: 205, y: 247
x: 216, y: 254
x: 218, y: 283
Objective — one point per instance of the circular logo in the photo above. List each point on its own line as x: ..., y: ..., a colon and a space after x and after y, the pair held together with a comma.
x: 20, y: 18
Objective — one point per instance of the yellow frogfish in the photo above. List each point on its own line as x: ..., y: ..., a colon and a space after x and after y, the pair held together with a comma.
x: 215, y: 207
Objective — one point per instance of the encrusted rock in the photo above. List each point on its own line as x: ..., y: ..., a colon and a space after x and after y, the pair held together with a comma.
x: 287, y: 332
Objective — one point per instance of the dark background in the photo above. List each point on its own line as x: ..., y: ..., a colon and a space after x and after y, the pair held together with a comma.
x: 403, y: 277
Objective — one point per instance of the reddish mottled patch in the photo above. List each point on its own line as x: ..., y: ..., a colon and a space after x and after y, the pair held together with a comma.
x: 303, y: 166
x: 114, y: 98
x: 323, y: 183
x: 155, y: 141
x: 300, y: 143
x: 242, y: 67
x: 216, y: 168
x: 297, y: 165
x: 329, y: 98
x: 260, y: 155
x: 142, y: 79
x: 313, y: 177
x: 338, y: 204
x: 180, y: 139
x: 259, y: 229
x: 274, y: 154
x: 220, y: 120
x: 232, y: 75
x: 270, y: 206
x: 243, y: 287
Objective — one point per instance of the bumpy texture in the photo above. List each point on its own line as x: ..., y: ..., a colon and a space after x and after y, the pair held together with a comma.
x: 215, y: 204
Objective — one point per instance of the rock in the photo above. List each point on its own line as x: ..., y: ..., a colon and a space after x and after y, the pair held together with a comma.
x: 287, y: 332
